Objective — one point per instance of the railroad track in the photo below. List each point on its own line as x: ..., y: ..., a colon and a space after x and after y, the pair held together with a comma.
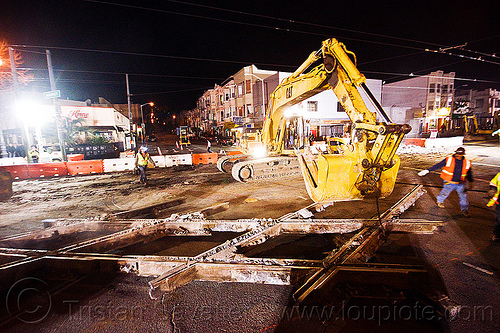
x: 87, y: 245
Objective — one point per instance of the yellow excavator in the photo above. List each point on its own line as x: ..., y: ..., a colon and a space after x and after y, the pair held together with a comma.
x: 344, y: 170
x: 487, y: 127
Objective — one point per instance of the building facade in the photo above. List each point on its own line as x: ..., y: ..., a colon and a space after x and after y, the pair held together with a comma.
x: 243, y: 99
x: 426, y: 101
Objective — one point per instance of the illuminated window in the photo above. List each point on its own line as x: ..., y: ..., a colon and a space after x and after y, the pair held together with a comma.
x: 312, y: 106
x: 248, y: 87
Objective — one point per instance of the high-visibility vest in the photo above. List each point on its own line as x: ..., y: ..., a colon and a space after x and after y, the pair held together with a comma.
x: 447, y: 172
x: 142, y: 160
x: 33, y: 153
x: 495, y: 182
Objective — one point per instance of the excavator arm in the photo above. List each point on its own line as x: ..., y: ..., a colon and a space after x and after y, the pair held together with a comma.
x: 367, y: 165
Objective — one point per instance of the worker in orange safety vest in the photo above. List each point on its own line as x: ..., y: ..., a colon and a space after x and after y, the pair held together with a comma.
x: 456, y: 170
x: 495, y: 193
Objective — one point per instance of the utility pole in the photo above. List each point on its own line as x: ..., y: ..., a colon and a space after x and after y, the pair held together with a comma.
x: 24, y: 127
x: 59, y: 123
x: 132, y: 141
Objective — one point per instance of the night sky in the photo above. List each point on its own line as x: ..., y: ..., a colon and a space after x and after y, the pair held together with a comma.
x: 175, y: 50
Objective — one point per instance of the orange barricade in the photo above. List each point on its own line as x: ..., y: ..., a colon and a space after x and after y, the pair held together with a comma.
x: 37, y: 170
x: 206, y: 158
x: 84, y: 167
x: 76, y: 157
x: 17, y: 172
x: 415, y: 141
x: 233, y: 152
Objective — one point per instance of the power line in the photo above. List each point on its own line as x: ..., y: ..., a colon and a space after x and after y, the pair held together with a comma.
x: 144, y: 54
x: 122, y: 73
x: 303, y: 23
x: 274, y: 28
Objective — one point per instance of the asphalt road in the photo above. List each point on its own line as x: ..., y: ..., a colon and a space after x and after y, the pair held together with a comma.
x: 462, y: 260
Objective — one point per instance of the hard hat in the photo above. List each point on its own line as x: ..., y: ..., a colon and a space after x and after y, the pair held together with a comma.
x: 143, y: 148
x: 460, y: 151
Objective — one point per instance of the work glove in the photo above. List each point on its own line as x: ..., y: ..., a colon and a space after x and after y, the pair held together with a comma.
x: 423, y: 173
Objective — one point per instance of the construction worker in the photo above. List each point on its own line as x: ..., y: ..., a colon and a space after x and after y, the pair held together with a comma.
x: 141, y: 163
x: 33, y: 154
x: 495, y: 193
x: 456, y: 169
x: 209, y: 145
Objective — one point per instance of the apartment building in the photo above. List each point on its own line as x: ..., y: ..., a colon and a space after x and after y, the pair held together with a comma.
x: 242, y: 101
x: 425, y: 101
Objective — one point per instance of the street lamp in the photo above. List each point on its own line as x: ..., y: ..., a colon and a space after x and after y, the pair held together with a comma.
x: 143, y: 124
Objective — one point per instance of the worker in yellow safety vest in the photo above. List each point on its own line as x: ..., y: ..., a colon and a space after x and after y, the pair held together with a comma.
x: 495, y: 193
x: 142, y: 159
x: 456, y: 169
x: 33, y: 154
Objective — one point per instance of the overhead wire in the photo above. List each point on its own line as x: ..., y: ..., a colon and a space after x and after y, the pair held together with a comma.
x: 26, y: 48
x: 274, y: 28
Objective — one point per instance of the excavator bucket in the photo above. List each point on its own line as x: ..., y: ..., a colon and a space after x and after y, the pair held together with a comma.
x: 340, y: 177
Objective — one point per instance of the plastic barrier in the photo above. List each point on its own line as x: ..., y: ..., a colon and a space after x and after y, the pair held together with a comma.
x: 159, y: 161
x: 75, y: 157
x: 84, y: 167
x: 17, y: 172
x: 40, y: 170
x: 233, y: 152
x: 118, y: 164
x: 415, y: 141
x: 182, y: 159
x: 12, y: 161
x: 206, y: 158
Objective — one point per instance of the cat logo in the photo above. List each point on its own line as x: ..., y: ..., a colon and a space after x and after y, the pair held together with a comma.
x: 289, y: 92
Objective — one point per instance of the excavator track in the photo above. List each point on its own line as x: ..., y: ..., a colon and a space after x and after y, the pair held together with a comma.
x: 266, y: 168
x: 225, y: 163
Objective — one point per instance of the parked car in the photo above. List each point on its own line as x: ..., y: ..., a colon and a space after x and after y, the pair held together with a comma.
x: 225, y: 140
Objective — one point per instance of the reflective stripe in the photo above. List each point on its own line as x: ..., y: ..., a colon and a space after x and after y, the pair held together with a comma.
x: 496, y: 182
x: 449, y: 168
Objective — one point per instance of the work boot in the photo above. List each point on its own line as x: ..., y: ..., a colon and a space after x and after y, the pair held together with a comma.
x: 465, y: 213
x: 440, y: 204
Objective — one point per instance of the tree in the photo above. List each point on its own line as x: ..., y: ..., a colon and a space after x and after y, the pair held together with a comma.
x: 23, y: 76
